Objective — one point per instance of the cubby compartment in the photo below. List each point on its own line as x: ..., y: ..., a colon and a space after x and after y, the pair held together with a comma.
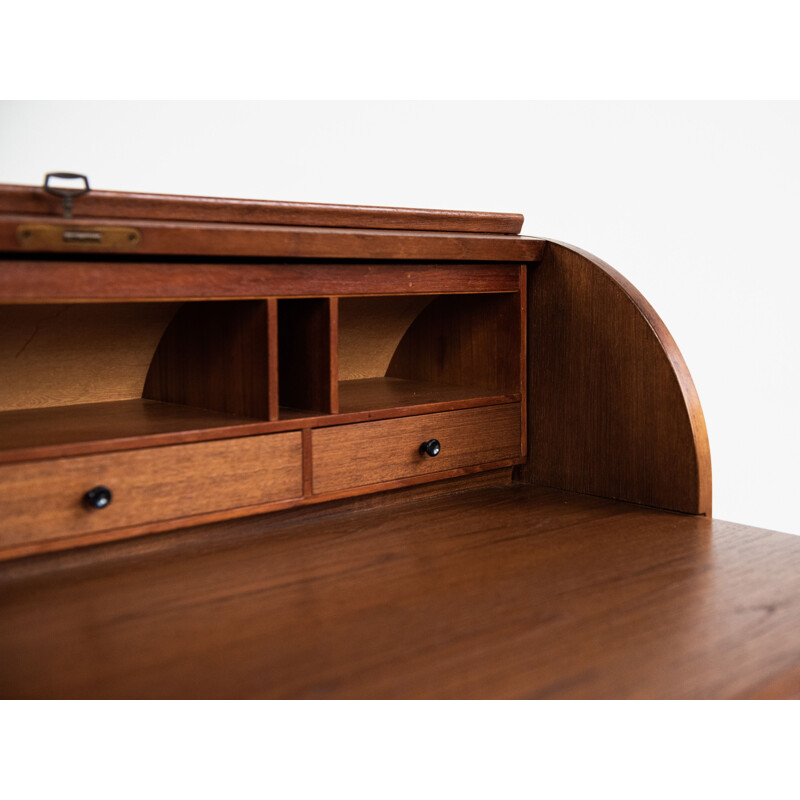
x: 422, y: 350
x: 219, y: 356
x: 75, y: 375
x: 307, y: 357
x: 84, y: 377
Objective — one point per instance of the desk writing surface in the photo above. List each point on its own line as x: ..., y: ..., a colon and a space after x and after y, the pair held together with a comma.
x: 501, y: 591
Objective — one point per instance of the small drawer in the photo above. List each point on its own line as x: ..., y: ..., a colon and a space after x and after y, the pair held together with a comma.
x: 376, y: 452
x: 45, y: 500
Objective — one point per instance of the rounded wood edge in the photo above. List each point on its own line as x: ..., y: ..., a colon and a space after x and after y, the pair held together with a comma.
x: 671, y: 352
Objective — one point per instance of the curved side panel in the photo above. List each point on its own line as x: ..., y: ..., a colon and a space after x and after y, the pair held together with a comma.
x: 613, y: 410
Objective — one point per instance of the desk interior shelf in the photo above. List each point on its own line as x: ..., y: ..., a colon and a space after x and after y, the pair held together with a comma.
x: 424, y: 350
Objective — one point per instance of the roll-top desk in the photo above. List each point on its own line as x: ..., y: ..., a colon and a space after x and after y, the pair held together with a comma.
x: 252, y: 448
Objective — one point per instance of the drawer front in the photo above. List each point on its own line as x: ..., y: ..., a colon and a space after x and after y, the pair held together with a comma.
x: 45, y: 499
x: 376, y: 452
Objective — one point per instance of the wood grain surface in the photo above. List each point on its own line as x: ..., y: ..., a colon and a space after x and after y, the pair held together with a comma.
x: 44, y: 281
x: 35, y: 434
x: 371, y: 394
x: 473, y: 340
x: 44, y: 499
x: 33, y: 200
x: 513, y: 591
x: 281, y: 241
x: 65, y: 430
x: 216, y: 356
x: 348, y: 456
x: 308, y: 353
x: 612, y: 407
x: 75, y: 541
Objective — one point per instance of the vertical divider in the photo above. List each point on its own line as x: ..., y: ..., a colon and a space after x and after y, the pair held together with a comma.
x: 308, y: 487
x: 333, y: 339
x: 523, y: 357
x: 272, y: 359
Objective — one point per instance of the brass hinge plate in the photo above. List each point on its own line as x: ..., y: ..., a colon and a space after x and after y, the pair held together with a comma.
x: 73, y: 237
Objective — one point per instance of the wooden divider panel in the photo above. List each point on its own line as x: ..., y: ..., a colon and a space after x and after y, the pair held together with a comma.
x: 215, y: 355
x: 612, y: 407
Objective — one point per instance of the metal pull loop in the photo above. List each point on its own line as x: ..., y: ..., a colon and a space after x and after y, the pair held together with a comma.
x: 66, y: 194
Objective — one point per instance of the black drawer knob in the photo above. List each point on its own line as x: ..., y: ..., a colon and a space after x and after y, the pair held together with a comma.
x: 430, y: 448
x: 99, y: 497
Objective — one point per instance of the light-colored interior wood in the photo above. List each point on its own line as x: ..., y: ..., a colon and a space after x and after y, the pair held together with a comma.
x: 58, y: 355
x: 370, y: 328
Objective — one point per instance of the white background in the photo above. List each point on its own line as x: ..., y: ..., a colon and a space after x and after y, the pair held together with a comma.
x: 696, y: 203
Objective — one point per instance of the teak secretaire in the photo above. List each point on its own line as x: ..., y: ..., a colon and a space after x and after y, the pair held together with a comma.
x: 375, y: 451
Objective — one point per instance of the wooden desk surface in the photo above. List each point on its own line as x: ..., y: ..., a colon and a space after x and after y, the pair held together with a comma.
x: 507, y: 591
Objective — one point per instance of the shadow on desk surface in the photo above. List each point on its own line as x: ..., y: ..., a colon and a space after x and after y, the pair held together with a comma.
x: 506, y: 591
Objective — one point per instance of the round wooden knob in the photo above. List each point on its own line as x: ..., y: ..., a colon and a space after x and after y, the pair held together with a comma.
x: 99, y: 497
x: 430, y: 448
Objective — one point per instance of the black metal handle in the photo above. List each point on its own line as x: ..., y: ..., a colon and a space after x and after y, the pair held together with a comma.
x: 430, y: 448
x: 66, y: 194
x: 99, y: 497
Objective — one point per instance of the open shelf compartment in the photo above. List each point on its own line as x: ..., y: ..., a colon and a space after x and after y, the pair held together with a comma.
x: 85, y: 375
x: 401, y: 351
x: 307, y: 357
x: 94, y: 372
